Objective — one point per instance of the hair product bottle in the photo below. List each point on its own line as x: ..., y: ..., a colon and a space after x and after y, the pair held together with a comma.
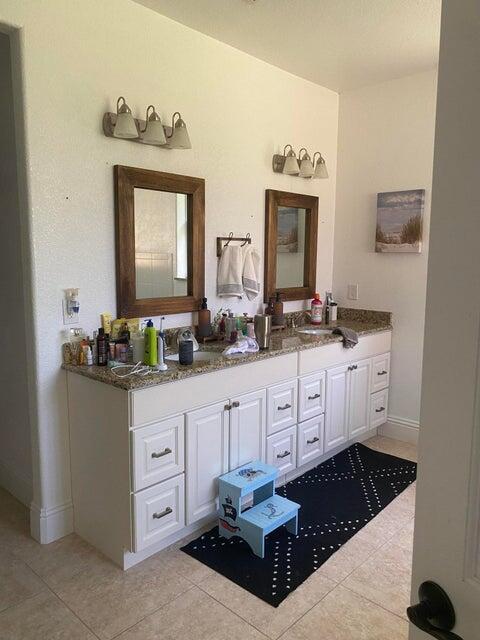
x: 150, y: 333
x: 102, y: 348
x: 316, y: 310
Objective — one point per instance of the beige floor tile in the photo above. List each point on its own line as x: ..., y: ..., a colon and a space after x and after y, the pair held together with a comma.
x: 385, y: 578
x: 343, y: 615
x: 110, y: 600
x: 185, y: 565
x: 393, y: 447
x: 193, y: 615
x: 270, y: 620
x: 350, y: 556
x: 42, y: 617
x: 17, y: 581
x: 62, y: 560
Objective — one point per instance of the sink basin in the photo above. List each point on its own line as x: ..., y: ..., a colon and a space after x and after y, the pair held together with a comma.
x: 315, y: 331
x: 198, y: 356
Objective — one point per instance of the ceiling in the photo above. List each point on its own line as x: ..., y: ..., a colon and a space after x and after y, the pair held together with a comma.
x: 339, y: 44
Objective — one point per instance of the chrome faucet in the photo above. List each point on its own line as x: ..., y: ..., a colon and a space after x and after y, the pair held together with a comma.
x: 296, y: 320
x: 185, y: 334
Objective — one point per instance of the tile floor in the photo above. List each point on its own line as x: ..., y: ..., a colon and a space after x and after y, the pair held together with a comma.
x: 67, y: 590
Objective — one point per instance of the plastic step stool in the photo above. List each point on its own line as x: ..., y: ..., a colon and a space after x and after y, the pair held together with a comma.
x: 269, y: 511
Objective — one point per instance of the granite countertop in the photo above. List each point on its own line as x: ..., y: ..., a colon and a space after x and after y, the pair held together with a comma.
x: 282, y: 342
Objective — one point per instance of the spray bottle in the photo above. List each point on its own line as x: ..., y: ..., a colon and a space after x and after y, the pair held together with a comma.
x: 150, y: 334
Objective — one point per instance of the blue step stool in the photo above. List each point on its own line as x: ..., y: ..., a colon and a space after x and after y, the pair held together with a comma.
x: 269, y: 511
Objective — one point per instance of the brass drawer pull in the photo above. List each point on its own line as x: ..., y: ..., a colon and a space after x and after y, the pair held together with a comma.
x: 161, y: 514
x: 285, y: 406
x: 160, y: 454
x: 313, y: 440
x: 380, y: 410
x: 314, y: 397
x: 382, y: 373
x: 283, y: 455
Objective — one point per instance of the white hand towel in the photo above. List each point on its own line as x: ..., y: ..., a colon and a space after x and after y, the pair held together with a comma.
x: 229, y: 274
x: 251, y: 272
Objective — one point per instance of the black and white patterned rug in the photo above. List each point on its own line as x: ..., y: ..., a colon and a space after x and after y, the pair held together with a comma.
x: 337, y: 498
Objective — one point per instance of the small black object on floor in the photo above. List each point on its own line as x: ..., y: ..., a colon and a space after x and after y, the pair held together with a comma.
x: 338, y: 498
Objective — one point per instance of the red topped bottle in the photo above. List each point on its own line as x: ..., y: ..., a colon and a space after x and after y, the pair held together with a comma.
x: 316, y: 309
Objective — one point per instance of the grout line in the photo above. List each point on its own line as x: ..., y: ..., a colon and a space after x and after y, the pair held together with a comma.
x: 359, y: 595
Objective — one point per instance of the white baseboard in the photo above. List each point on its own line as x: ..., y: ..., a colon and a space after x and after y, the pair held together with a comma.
x: 15, y: 483
x: 400, y: 429
x: 48, y: 525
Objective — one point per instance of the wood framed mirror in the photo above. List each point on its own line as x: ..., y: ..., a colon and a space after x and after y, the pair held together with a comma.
x: 160, y: 242
x: 291, y: 223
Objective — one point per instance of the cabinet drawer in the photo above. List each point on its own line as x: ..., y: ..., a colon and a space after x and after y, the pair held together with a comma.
x: 281, y: 406
x: 310, y: 439
x: 158, y: 512
x: 282, y: 450
x: 380, y: 372
x: 157, y: 452
x: 378, y: 408
x: 311, y: 396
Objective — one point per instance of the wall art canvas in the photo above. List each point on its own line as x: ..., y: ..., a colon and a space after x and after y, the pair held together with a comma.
x: 399, y: 221
x: 287, y: 230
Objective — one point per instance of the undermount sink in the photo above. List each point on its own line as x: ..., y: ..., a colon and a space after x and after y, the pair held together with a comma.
x: 315, y: 331
x: 198, y: 356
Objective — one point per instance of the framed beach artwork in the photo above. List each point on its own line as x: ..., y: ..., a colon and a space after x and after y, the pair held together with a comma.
x: 399, y: 221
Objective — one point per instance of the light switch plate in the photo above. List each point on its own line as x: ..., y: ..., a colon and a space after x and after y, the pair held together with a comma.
x: 352, y: 292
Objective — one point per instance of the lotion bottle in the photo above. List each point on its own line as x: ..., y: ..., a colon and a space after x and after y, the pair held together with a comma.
x: 316, y: 310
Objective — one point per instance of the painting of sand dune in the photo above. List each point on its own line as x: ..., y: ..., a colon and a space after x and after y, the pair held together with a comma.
x: 399, y: 221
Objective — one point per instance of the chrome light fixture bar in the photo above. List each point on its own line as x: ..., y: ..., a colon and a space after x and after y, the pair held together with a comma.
x: 150, y: 131
x: 303, y: 166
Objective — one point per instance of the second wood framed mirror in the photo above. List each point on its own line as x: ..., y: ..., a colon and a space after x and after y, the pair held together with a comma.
x: 291, y: 222
x: 160, y: 242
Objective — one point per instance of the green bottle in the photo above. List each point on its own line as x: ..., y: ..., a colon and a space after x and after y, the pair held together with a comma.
x: 150, y: 344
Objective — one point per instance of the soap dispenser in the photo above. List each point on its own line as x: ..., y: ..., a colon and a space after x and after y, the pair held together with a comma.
x: 204, y: 320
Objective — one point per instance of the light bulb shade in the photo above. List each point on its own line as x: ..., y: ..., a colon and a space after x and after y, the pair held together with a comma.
x: 320, y: 169
x: 291, y: 165
x: 179, y: 138
x: 306, y: 168
x: 154, y: 133
x: 125, y: 126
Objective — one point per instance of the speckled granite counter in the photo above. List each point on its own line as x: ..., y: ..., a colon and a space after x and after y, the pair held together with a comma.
x: 287, y: 341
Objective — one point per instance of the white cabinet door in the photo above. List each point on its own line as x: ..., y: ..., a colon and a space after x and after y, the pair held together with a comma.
x: 282, y: 450
x: 248, y: 428
x: 311, y: 396
x: 281, y: 406
x: 336, y: 407
x: 206, y: 459
x: 310, y: 440
x: 359, y: 398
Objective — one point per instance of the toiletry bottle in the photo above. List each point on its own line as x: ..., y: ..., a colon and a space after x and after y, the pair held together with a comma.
x: 204, y: 320
x: 102, y: 349
x: 93, y: 346
x: 150, y: 333
x: 222, y: 326
x: 277, y: 315
x: 316, y: 310
x: 269, y: 307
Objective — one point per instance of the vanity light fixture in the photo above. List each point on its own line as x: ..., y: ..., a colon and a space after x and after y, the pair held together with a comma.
x: 125, y: 126
x: 179, y: 138
x: 320, y: 166
x: 151, y: 131
x: 306, y: 165
x: 303, y: 167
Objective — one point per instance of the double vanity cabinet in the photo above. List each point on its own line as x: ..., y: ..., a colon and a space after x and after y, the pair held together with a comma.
x: 146, y: 459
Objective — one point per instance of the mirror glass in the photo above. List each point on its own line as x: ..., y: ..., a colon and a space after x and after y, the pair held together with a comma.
x: 161, y: 243
x: 290, y: 247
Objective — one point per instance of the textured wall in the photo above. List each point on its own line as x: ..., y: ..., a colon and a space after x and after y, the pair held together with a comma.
x: 386, y: 135
x: 78, y: 58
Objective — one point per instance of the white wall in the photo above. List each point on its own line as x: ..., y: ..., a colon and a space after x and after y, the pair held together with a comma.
x: 386, y: 135
x: 15, y: 446
x: 77, y: 59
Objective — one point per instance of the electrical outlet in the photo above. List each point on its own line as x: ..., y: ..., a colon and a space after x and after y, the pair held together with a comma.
x: 352, y: 292
x: 70, y: 306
